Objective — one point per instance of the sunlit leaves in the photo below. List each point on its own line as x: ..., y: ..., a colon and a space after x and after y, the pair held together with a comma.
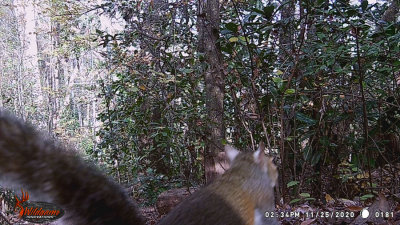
x: 233, y: 39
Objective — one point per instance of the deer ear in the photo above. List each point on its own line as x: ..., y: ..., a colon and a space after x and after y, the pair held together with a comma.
x: 231, y: 152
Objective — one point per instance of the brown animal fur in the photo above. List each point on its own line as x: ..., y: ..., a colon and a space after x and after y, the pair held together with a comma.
x: 234, y: 198
x: 37, y: 162
x: 90, y: 198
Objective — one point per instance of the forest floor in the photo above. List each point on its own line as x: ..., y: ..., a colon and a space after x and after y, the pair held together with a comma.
x: 342, y: 211
x: 384, y: 208
x: 381, y: 208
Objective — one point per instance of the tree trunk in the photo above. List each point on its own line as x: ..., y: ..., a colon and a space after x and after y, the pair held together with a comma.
x: 208, y: 22
x: 392, y: 11
x: 286, y: 50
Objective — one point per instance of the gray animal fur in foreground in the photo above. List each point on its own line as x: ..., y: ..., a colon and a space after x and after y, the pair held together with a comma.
x: 43, y: 166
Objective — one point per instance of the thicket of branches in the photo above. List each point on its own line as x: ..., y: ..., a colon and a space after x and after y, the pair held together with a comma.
x: 315, y: 80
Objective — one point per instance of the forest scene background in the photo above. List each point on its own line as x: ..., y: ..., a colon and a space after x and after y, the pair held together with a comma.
x: 152, y: 90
